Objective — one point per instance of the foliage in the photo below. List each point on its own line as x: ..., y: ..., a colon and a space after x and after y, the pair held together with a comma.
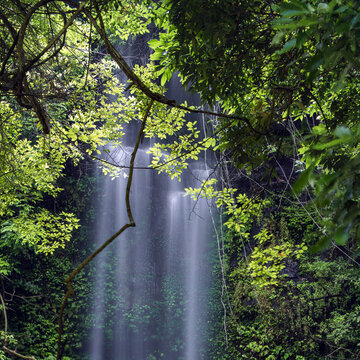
x: 240, y: 209
x: 283, y: 80
x: 284, y: 301
x: 193, y: 44
x: 285, y: 77
x: 266, y: 265
x: 328, y: 28
x: 34, y: 282
x: 336, y: 186
x: 126, y: 19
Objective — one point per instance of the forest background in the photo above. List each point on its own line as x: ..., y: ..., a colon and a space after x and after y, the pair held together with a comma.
x: 278, y: 82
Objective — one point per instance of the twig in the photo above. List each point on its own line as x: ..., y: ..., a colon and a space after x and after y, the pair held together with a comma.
x: 131, y: 223
x: 139, y: 83
x: 4, y: 347
x: 5, y: 319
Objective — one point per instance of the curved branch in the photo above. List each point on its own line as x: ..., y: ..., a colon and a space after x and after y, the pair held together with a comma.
x: 8, y: 24
x: 4, y: 347
x: 196, y: 146
x: 24, y: 67
x: 62, y: 32
x: 131, y: 223
x: 139, y: 83
x: 21, y: 35
x: 13, y: 352
x: 14, y: 34
x: 5, y: 319
x: 38, y: 108
x: 21, y: 81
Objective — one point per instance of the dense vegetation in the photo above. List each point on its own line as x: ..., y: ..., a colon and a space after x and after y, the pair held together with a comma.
x: 279, y: 87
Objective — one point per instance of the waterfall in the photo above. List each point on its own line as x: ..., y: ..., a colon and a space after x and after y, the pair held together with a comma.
x: 150, y: 286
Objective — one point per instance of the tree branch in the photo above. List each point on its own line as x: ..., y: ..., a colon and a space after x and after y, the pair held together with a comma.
x: 138, y: 82
x: 33, y: 61
x: 131, y: 223
x: 4, y: 347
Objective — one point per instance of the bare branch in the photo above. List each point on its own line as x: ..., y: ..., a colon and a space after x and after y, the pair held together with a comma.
x: 4, y: 347
x: 131, y: 223
x: 55, y: 39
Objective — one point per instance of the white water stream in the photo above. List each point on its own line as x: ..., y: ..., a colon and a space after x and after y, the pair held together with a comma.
x: 151, y: 284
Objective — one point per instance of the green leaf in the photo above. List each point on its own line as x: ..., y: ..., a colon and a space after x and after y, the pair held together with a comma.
x: 293, y: 12
x: 321, y: 245
x: 342, y: 132
x: 341, y: 235
x: 287, y: 47
x: 163, y: 79
x: 341, y: 9
x: 292, y: 5
x: 315, y: 62
x: 154, y: 43
x: 303, y: 179
x: 323, y: 8
x: 319, y: 130
x: 354, y: 21
x: 157, y: 55
x: 329, y: 144
x: 277, y: 38
x: 300, y: 40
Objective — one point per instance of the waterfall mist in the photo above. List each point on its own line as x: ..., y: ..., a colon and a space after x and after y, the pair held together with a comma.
x: 151, y: 284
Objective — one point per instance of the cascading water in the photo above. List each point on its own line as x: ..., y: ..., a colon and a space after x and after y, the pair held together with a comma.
x: 151, y: 284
